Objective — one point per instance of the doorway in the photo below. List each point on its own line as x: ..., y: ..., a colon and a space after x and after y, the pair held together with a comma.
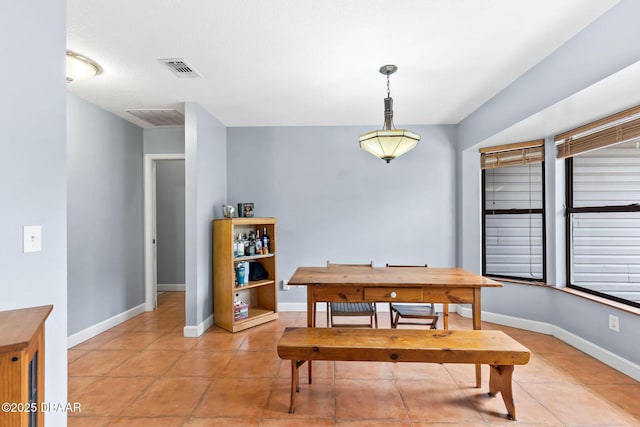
x: 163, y: 232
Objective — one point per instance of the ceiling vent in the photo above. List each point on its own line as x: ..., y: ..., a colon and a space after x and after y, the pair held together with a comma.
x: 159, y: 117
x: 180, y: 68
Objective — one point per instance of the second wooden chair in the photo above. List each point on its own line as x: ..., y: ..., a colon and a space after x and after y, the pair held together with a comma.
x: 424, y: 313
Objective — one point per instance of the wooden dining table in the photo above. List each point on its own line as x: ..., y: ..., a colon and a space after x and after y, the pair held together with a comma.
x: 338, y: 283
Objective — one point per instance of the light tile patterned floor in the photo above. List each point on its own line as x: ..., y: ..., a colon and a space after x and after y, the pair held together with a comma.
x: 144, y: 373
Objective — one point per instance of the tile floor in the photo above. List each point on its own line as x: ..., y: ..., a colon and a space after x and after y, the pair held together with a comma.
x: 144, y: 373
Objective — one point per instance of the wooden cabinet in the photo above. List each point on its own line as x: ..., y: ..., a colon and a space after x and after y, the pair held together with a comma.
x: 259, y: 295
x: 22, y: 366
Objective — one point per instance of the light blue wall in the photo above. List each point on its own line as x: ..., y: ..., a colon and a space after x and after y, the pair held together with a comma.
x: 105, y: 215
x: 334, y: 201
x: 598, y: 51
x: 170, y: 225
x: 163, y: 140
x: 521, y: 301
x: 579, y: 316
x: 206, y: 191
x: 33, y: 185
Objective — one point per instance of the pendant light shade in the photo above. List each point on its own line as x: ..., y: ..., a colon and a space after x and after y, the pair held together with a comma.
x: 388, y: 143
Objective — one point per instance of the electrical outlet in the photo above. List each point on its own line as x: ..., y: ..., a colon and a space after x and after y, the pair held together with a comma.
x: 614, y: 323
x: 284, y: 285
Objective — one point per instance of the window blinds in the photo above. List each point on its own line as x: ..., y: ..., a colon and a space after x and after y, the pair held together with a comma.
x: 512, y: 154
x: 605, y: 222
x: 514, y: 222
x: 611, y: 130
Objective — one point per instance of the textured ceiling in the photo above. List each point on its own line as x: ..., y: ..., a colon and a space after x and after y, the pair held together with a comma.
x: 315, y: 62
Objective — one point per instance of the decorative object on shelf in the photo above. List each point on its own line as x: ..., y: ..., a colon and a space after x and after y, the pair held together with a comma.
x: 228, y: 211
x: 80, y: 67
x: 240, y: 309
x: 245, y: 265
x: 257, y: 271
x: 245, y: 210
x: 388, y: 143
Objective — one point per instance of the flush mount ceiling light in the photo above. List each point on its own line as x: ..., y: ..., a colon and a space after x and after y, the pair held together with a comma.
x: 388, y: 143
x: 80, y: 67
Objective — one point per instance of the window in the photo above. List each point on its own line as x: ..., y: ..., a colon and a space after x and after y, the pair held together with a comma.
x: 603, y: 211
x: 513, y: 239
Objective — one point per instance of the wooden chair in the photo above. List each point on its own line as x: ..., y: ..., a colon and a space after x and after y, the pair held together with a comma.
x: 424, y: 312
x: 351, y: 309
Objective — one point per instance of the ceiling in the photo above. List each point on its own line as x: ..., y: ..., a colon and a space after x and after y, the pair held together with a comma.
x: 315, y: 62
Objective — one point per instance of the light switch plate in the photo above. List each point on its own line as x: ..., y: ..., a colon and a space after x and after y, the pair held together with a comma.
x: 32, y: 235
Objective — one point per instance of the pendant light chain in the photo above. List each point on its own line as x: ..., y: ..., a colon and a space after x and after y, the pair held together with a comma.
x: 389, y: 107
x: 388, y: 90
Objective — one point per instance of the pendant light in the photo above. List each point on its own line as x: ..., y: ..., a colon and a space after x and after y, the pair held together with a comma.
x: 388, y: 143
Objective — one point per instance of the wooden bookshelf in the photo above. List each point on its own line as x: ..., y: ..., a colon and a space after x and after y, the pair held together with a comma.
x: 259, y: 295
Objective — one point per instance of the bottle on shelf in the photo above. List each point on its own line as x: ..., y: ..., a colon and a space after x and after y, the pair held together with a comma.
x: 240, y: 250
x: 258, y: 243
x: 265, y: 241
x: 252, y: 244
x: 240, y: 274
x: 235, y: 246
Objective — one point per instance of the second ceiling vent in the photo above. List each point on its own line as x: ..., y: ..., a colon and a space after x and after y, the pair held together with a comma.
x: 180, y: 68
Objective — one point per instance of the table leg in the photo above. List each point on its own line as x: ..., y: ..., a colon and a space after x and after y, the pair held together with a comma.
x: 311, y: 312
x: 445, y: 315
x: 477, y: 324
x: 328, y: 319
x: 311, y: 318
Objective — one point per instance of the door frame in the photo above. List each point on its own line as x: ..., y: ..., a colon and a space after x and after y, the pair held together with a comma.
x: 150, y: 247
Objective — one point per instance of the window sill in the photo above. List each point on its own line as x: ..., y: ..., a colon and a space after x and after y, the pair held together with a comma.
x: 519, y: 282
x: 604, y: 301
x: 614, y: 304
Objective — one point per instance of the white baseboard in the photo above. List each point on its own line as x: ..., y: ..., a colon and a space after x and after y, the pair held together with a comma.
x: 298, y: 306
x: 98, y: 328
x: 605, y: 356
x: 196, y: 331
x: 514, y: 322
x: 170, y: 288
x: 621, y: 364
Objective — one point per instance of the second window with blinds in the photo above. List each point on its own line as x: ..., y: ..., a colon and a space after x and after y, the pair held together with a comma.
x: 513, y: 239
x: 603, y: 206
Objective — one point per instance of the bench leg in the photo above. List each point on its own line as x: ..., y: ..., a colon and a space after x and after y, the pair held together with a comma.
x: 295, y: 383
x: 500, y: 382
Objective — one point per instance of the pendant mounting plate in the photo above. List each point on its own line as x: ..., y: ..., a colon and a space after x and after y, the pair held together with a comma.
x: 388, y: 69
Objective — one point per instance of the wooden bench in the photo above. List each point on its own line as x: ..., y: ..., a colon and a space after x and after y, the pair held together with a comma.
x: 494, y: 348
